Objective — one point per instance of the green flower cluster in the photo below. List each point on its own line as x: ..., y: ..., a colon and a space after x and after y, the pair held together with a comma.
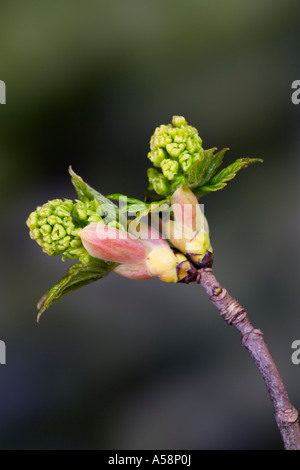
x: 55, y: 225
x: 174, y: 149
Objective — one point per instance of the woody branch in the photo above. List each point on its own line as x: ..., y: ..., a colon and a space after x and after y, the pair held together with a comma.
x: 233, y: 313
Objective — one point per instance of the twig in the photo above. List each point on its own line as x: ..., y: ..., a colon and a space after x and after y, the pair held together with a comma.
x: 253, y: 340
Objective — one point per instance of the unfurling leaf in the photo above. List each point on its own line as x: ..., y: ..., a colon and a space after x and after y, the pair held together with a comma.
x: 86, y: 192
x: 124, y: 198
x: 134, y: 208
x: 77, y: 276
x: 205, y: 168
x: 220, y: 180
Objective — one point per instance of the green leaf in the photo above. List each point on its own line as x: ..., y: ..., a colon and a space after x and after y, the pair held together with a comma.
x: 208, y: 189
x: 204, y: 169
x: 152, y: 207
x: 220, y: 180
x: 124, y: 198
x: 77, y: 276
x: 134, y: 208
x: 85, y: 192
x: 230, y: 171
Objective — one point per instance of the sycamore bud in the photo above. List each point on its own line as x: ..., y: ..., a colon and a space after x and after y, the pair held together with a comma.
x: 174, y: 148
x: 189, y: 231
x: 55, y: 225
x: 183, y: 271
x: 143, y: 257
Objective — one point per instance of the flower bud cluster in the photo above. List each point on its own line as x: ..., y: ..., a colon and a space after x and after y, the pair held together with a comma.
x: 174, y: 148
x: 55, y: 226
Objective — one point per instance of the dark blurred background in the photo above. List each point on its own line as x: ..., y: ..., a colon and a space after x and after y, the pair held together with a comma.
x: 146, y: 365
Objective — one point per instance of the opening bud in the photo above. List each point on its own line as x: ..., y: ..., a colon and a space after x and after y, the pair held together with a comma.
x: 189, y: 231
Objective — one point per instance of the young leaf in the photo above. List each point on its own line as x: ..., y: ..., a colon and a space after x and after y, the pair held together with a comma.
x: 77, y: 276
x: 124, y: 198
x: 85, y: 191
x: 153, y: 207
x: 214, y: 164
x: 207, y: 188
x: 134, y: 208
x: 220, y: 180
x: 203, y: 170
x: 230, y: 171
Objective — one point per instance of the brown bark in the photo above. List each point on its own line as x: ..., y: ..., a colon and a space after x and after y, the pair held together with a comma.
x: 286, y: 415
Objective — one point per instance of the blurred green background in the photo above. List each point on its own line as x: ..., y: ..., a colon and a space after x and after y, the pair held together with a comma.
x: 146, y: 365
